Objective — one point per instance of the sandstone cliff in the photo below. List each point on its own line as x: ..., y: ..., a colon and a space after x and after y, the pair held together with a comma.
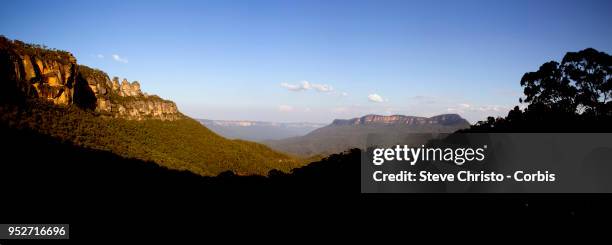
x: 125, y: 99
x: 54, y: 76
x: 37, y: 72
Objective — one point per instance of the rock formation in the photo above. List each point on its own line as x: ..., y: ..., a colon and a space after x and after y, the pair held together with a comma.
x: 49, y: 77
x: 54, y: 76
x: 125, y: 99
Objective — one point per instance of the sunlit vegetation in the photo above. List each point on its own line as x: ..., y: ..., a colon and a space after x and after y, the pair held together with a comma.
x: 92, y: 73
x: 37, y: 50
x: 182, y: 144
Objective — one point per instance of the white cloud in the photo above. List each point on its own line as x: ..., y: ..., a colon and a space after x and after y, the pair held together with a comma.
x: 285, y: 108
x: 118, y: 58
x: 322, y: 87
x: 422, y: 100
x: 474, y: 112
x: 376, y: 98
x: 466, y: 108
x: 100, y: 56
x: 306, y: 85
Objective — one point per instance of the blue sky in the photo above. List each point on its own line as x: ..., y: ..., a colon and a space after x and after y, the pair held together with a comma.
x: 249, y: 59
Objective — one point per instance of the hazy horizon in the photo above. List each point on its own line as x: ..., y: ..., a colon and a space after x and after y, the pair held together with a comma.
x: 316, y: 61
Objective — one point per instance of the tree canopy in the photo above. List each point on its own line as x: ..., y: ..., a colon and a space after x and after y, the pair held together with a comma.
x: 574, y: 95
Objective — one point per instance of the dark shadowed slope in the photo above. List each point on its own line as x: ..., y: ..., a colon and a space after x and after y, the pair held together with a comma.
x: 46, y: 180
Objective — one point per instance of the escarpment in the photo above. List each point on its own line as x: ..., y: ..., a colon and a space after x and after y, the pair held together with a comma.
x: 33, y: 71
x: 37, y: 72
x: 121, y: 100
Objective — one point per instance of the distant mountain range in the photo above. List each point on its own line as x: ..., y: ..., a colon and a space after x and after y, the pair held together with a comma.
x: 369, y: 130
x: 259, y: 131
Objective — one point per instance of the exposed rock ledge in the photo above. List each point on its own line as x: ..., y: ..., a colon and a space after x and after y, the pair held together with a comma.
x: 54, y: 75
x: 125, y: 99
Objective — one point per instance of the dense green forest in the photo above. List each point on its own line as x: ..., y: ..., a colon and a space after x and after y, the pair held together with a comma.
x: 182, y: 144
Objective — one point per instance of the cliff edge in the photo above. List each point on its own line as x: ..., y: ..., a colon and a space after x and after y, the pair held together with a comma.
x: 34, y: 71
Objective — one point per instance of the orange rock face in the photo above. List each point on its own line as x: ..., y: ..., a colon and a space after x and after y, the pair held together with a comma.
x: 56, y: 77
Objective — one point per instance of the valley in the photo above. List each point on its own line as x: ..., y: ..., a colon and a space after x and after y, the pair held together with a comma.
x: 370, y: 130
x: 259, y: 131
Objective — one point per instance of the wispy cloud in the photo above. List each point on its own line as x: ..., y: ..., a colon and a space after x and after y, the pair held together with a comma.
x: 465, y: 107
x: 285, y: 108
x: 120, y: 59
x: 306, y: 85
x: 420, y: 106
x: 322, y: 87
x: 376, y: 98
x: 100, y: 56
x: 303, y: 85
